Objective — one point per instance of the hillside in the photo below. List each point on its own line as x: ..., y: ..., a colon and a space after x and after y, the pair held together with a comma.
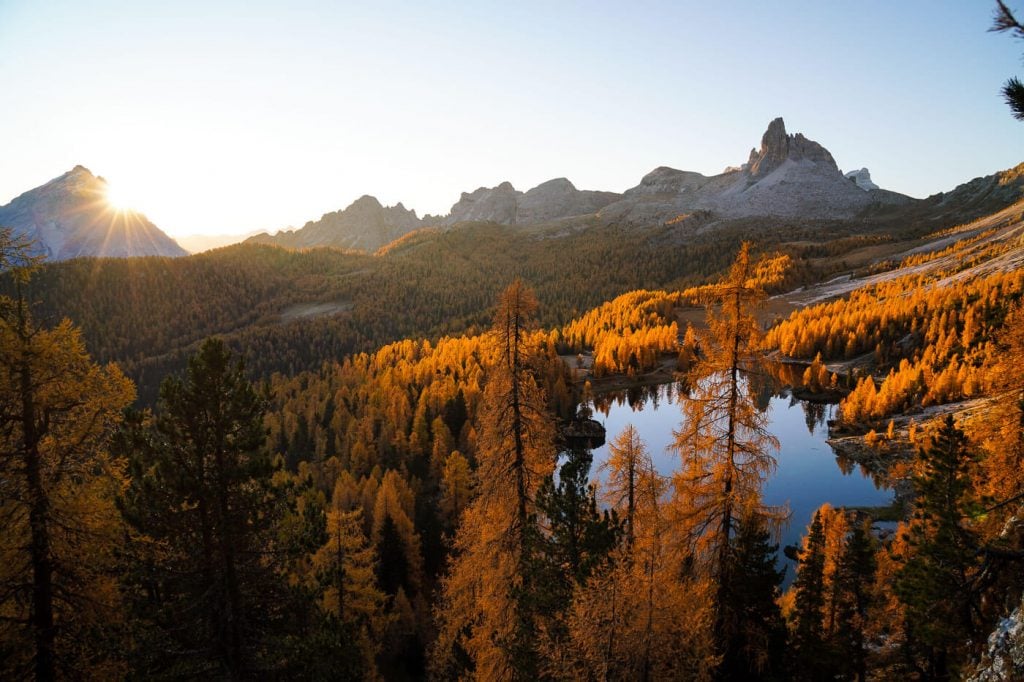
x: 380, y: 418
x: 927, y: 332
x: 291, y: 310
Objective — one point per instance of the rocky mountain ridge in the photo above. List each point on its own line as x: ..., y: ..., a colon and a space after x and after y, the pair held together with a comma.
x: 365, y: 225
x: 788, y: 176
x: 69, y: 217
x: 548, y: 201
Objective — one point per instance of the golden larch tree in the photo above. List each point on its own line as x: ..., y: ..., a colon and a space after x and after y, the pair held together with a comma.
x: 486, y: 611
x: 58, y: 484
x: 724, y: 445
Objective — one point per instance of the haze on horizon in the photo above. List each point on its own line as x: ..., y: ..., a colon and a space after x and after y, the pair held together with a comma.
x: 252, y: 116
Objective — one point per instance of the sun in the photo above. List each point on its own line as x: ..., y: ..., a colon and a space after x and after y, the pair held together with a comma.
x: 118, y: 199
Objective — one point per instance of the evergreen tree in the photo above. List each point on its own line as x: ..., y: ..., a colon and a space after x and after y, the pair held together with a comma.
x: 392, y: 568
x: 757, y: 640
x: 203, y: 505
x: 936, y: 582
x: 578, y: 536
x: 854, y: 582
x: 810, y: 654
x: 1013, y: 90
x: 574, y: 538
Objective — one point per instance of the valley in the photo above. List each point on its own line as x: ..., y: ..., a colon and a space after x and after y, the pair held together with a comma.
x: 389, y: 411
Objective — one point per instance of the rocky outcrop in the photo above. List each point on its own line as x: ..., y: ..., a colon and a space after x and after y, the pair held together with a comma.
x: 557, y: 199
x: 70, y: 217
x: 491, y: 204
x: 365, y: 225
x: 548, y: 201
x: 789, y: 176
x: 777, y: 148
x: 1003, y: 657
x: 861, y: 178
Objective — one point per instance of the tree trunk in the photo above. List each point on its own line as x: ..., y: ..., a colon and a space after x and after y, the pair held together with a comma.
x: 39, y: 513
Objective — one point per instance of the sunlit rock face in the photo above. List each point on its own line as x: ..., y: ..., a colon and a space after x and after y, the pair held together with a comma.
x: 70, y: 217
x: 777, y: 148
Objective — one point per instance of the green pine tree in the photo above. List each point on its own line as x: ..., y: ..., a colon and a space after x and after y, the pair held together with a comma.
x: 808, y: 638
x: 935, y: 583
x: 1013, y: 90
x: 854, y: 579
x: 756, y: 632
x: 202, y: 505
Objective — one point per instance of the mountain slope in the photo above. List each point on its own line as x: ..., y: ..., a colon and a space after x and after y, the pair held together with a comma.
x: 69, y: 217
x: 365, y: 225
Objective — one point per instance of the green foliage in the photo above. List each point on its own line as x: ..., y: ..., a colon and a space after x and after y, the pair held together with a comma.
x: 935, y: 583
x: 203, y: 509
x: 576, y: 538
x: 1013, y: 90
x: 809, y: 639
x: 855, y: 577
x: 755, y: 633
x: 148, y: 314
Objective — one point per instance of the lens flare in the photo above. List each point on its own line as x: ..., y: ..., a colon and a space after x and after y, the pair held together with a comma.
x: 118, y: 199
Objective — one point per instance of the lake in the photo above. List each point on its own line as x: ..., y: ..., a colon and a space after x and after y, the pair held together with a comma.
x: 808, y: 475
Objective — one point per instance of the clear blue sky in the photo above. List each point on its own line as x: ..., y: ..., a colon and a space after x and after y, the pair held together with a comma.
x: 220, y: 117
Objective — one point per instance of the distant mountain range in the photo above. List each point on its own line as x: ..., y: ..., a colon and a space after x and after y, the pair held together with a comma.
x: 788, y: 176
x: 70, y: 217
x: 364, y: 226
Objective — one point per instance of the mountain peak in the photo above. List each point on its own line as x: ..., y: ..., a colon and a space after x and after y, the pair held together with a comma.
x: 777, y: 147
x: 775, y: 135
x: 862, y: 178
x: 555, y: 184
x: 366, y: 201
x: 365, y: 225
x: 69, y: 217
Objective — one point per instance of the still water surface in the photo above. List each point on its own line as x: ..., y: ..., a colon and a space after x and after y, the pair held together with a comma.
x: 809, y: 472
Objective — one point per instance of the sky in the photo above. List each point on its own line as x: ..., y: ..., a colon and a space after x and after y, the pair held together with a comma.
x: 230, y: 117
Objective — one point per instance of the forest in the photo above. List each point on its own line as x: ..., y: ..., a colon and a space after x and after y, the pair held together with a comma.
x: 149, y: 314
x: 427, y: 507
